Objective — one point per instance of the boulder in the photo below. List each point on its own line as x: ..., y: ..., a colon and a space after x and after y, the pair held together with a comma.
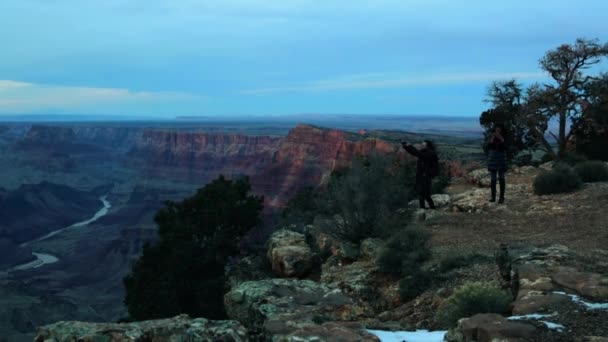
x: 440, y: 201
x: 590, y: 285
x: 180, y: 328
x: 371, y: 291
x: 534, y: 302
x: 490, y: 328
x: 273, y: 308
x: 479, y: 177
x: 289, y: 254
x: 290, y: 331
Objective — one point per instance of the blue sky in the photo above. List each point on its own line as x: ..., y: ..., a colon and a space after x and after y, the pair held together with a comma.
x: 261, y: 57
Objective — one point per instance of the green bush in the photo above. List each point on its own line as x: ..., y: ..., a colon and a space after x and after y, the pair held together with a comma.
x: 592, y: 171
x: 405, y: 252
x: 572, y: 159
x: 363, y: 200
x: 471, y: 299
x: 559, y: 180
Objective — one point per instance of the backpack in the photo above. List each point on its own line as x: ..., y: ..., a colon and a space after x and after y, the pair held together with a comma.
x: 434, y: 166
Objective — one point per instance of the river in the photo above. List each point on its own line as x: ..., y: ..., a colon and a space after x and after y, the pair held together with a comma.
x: 45, y: 259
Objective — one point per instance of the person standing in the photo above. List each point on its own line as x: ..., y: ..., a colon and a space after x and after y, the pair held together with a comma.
x: 497, y: 163
x: 427, y: 167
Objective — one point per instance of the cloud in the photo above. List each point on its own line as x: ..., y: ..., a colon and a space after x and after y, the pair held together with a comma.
x: 385, y: 80
x: 16, y: 96
x: 8, y: 85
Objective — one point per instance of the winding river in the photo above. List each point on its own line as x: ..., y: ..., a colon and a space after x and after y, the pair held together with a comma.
x: 45, y: 259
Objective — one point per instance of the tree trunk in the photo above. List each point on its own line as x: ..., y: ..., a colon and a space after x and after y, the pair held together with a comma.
x: 562, y: 135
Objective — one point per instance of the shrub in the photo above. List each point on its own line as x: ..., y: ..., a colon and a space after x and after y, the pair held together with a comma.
x: 412, y: 285
x: 572, y: 159
x: 592, y: 171
x: 405, y: 252
x: 471, y: 299
x: 364, y: 199
x: 456, y: 260
x: 559, y: 180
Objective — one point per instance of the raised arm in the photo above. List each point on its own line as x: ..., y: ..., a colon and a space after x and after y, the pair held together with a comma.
x: 411, y: 150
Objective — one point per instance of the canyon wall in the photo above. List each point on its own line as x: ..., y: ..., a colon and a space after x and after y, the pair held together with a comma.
x: 277, y: 167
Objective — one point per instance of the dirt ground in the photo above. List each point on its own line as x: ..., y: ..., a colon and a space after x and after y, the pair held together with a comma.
x: 577, y: 220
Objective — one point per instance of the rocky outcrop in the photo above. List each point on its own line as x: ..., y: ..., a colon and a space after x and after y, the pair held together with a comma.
x: 180, y: 328
x: 539, y: 276
x: 491, y: 328
x: 292, y: 310
x: 371, y: 291
x: 289, y: 254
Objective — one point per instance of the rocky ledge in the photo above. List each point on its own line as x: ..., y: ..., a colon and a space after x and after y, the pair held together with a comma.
x: 180, y: 328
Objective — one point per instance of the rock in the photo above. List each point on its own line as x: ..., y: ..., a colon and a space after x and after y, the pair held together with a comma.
x: 370, y: 249
x: 490, y: 328
x: 479, y: 177
x: 548, y: 166
x: 291, y: 331
x: 533, y: 302
x: 441, y: 200
x: 180, y: 328
x: 261, y: 305
x: 289, y: 254
x: 370, y: 290
x: 534, y: 274
x: 525, y: 170
x: 590, y: 285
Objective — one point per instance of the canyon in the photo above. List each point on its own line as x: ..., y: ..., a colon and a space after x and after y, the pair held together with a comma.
x: 53, y: 175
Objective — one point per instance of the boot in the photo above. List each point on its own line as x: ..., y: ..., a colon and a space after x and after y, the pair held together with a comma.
x: 493, y: 189
x: 421, y: 202
x: 501, y: 199
x: 430, y: 200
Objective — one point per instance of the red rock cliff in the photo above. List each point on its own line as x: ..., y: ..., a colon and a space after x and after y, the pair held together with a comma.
x: 278, y: 167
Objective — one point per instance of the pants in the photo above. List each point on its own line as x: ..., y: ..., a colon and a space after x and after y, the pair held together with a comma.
x: 495, y: 173
x: 423, y: 185
x: 500, y: 176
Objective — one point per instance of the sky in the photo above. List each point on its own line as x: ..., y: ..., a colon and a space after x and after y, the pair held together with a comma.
x: 166, y: 58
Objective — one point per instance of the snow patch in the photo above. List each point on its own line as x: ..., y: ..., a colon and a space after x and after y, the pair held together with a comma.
x: 531, y: 316
x: 409, y: 336
x: 554, y: 326
x: 588, y: 305
x: 537, y: 317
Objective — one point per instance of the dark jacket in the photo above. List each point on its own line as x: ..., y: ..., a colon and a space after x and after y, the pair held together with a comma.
x: 426, y: 156
x: 497, y: 156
